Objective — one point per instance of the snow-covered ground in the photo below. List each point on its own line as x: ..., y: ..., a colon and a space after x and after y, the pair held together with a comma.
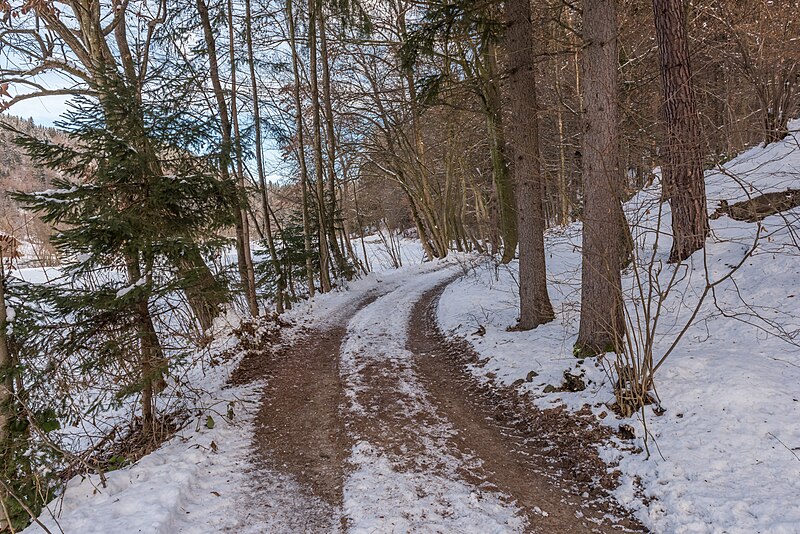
x: 203, y: 480
x: 725, y: 457
x: 432, y: 497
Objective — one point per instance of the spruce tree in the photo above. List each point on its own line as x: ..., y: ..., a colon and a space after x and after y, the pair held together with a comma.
x: 120, y: 220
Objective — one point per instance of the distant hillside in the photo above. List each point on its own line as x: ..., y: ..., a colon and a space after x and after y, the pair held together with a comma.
x: 17, y: 173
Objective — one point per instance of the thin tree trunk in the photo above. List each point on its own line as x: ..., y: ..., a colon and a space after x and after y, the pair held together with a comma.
x: 324, y: 256
x: 604, y: 227
x: 250, y: 293
x: 281, y: 282
x: 360, y: 223
x: 226, y: 146
x: 684, y: 181
x: 535, y: 307
x: 301, y: 149
x: 330, y: 136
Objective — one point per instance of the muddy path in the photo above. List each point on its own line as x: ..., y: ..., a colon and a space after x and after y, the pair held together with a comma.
x: 381, y: 428
x: 545, y: 461
x: 299, y: 429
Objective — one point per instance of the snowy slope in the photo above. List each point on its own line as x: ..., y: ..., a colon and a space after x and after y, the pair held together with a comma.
x: 726, y: 455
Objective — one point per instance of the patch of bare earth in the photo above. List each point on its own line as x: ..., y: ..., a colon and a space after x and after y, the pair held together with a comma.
x: 299, y: 430
x: 545, y: 460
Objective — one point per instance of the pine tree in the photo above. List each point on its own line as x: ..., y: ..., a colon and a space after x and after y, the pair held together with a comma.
x: 606, y: 237
x: 120, y: 220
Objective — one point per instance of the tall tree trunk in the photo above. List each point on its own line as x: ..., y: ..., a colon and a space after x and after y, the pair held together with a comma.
x: 535, y: 307
x: 250, y: 277
x: 262, y: 181
x: 604, y: 227
x: 504, y: 188
x: 684, y: 182
x: 324, y: 255
x: 301, y: 148
x: 330, y: 137
x: 226, y: 146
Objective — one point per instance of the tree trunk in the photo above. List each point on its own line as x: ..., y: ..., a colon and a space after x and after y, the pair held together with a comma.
x: 330, y: 137
x: 262, y: 182
x: 504, y: 188
x: 247, y: 255
x: 604, y: 226
x: 151, y: 358
x: 301, y: 148
x: 535, y: 307
x: 226, y: 146
x: 684, y: 182
x: 324, y: 256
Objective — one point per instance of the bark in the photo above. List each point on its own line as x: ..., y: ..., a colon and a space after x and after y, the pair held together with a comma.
x: 604, y: 226
x: 324, y: 256
x: 301, y: 148
x: 535, y: 307
x: 683, y: 182
x: 262, y: 182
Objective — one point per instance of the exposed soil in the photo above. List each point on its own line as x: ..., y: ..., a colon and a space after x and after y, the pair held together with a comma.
x: 299, y: 429
x: 543, y: 459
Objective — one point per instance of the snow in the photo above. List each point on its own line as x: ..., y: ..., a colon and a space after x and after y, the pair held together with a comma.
x: 203, y: 479
x: 430, y: 496
x: 127, y: 289
x: 725, y: 456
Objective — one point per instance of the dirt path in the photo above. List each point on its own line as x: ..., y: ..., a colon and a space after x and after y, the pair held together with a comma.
x: 299, y: 430
x: 376, y: 420
x: 545, y: 461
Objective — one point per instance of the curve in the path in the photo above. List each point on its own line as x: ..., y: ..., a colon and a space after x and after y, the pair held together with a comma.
x: 376, y: 427
x: 406, y: 477
x: 546, y: 462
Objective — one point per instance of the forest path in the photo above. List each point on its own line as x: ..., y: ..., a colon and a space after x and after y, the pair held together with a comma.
x: 376, y: 419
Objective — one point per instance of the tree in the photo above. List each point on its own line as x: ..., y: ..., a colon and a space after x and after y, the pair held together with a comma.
x: 767, y: 53
x: 301, y: 148
x: 259, y: 149
x: 683, y: 175
x: 89, y: 44
x: 228, y: 148
x: 463, y: 36
x: 523, y: 122
x: 122, y: 218
x: 322, y: 215
x: 606, y: 238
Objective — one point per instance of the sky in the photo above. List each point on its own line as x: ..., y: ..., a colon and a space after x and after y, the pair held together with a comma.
x: 43, y: 111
